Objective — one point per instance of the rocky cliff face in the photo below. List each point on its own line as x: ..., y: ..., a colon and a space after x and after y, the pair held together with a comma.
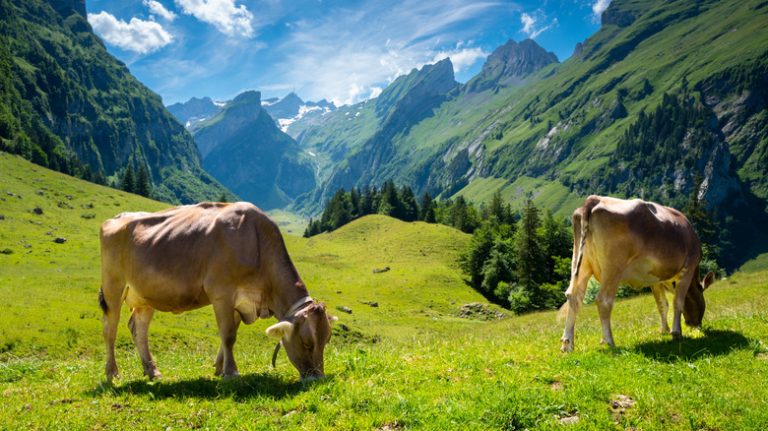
x: 510, y: 64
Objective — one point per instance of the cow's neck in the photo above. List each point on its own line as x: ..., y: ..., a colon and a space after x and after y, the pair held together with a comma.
x: 285, y: 295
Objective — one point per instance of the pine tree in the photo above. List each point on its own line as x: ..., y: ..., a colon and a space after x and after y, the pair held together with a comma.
x: 389, y: 201
x: 355, y: 200
x: 128, y: 182
x: 530, y: 255
x: 479, y: 251
x: 410, y: 209
x: 143, y: 182
x: 427, y: 209
x: 338, y: 212
x: 556, y: 243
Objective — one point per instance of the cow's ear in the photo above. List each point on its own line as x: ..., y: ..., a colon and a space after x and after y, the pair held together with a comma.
x: 280, y: 330
x: 332, y: 319
x: 708, y: 279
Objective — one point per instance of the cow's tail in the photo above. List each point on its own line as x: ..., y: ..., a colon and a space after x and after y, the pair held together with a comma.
x: 580, y: 230
x: 102, y: 301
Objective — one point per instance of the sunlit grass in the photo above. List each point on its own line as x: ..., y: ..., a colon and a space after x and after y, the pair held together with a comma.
x: 409, y: 363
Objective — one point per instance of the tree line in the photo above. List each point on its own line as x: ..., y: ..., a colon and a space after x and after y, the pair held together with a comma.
x: 521, y: 261
x: 398, y: 202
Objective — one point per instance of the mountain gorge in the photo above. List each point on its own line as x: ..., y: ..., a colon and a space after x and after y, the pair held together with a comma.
x: 69, y: 105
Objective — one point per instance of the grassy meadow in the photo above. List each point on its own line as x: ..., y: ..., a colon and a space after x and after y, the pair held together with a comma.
x: 403, y: 358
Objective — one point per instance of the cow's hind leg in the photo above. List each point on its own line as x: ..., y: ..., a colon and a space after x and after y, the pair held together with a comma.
x: 228, y: 321
x: 110, y: 300
x: 139, y: 326
x: 662, y: 305
x: 574, y: 297
x: 605, y: 299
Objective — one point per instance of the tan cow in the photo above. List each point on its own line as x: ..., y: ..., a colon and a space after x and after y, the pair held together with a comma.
x: 640, y: 244
x: 229, y: 255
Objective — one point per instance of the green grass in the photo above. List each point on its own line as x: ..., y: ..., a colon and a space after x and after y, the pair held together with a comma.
x: 289, y: 222
x: 545, y: 193
x: 409, y: 363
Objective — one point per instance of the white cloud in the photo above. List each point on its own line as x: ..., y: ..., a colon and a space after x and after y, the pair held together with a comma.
x: 347, y: 56
x: 375, y: 92
x: 157, y: 8
x: 529, y: 24
x: 527, y: 21
x: 461, y: 58
x: 228, y: 18
x: 136, y: 35
x: 599, y: 7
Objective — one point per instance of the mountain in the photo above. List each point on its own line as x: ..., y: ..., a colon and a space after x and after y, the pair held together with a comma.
x: 368, y: 143
x: 509, y: 64
x: 667, y: 101
x: 66, y: 103
x: 243, y: 148
x: 291, y: 108
x: 287, y: 107
x: 194, y: 111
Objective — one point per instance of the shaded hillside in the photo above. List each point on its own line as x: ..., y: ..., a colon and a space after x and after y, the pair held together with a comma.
x: 70, y: 105
x: 244, y: 149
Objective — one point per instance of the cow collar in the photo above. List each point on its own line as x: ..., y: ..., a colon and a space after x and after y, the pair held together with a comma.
x: 298, y: 305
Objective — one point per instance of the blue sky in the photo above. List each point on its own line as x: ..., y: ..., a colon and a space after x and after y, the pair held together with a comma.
x: 344, y: 51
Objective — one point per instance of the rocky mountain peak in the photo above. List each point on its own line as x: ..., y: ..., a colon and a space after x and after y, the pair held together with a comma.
x: 510, y: 63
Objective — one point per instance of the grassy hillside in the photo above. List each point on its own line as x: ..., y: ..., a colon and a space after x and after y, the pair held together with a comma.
x: 409, y: 363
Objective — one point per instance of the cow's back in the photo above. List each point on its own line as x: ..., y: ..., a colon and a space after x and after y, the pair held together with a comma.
x: 648, y: 240
x: 168, y: 257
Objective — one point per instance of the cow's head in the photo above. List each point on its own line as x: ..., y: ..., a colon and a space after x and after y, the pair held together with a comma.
x: 304, y: 337
x: 693, y: 311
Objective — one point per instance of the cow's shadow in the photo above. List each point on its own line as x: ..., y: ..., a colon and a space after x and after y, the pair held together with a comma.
x: 238, y: 388
x: 715, y: 342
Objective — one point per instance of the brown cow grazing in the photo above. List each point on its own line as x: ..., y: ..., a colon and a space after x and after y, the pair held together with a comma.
x: 641, y: 244
x: 229, y: 255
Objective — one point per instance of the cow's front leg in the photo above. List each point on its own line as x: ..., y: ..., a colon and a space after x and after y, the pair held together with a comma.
x: 139, y: 326
x: 662, y: 305
x: 680, y: 292
x: 228, y: 321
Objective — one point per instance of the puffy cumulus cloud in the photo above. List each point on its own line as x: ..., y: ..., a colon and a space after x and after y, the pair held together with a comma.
x: 228, y: 18
x: 599, y: 6
x: 136, y: 35
x: 531, y: 26
x: 157, y: 8
x: 461, y: 58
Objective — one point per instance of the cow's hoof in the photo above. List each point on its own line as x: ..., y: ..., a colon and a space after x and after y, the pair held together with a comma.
x: 154, y: 375
x: 664, y: 331
x: 567, y: 346
x: 607, y: 343
x: 230, y: 375
x: 677, y: 335
x: 112, y: 372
